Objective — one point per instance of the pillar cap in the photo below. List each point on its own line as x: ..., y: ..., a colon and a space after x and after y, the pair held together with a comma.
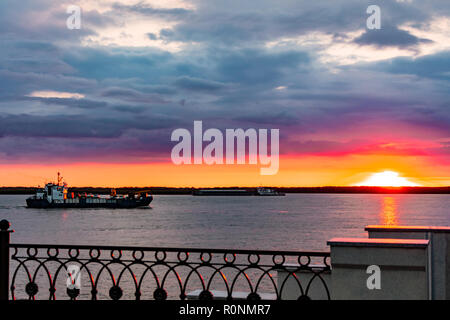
x: 407, y: 228
x: 363, y: 242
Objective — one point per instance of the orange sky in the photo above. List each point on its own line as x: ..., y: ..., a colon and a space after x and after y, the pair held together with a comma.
x: 300, y: 171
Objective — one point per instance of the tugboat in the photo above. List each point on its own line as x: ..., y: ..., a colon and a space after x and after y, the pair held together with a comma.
x: 57, y: 196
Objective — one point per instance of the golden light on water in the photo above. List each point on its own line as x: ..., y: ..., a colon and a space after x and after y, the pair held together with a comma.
x: 389, y: 213
x: 387, y: 179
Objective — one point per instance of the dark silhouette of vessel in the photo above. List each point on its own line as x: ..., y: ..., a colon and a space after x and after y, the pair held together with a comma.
x: 56, y: 195
x: 237, y: 192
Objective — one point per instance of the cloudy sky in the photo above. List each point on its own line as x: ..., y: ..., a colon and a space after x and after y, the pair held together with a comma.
x: 100, y: 103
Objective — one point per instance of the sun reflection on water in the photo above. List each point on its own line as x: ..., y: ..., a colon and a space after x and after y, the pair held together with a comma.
x: 389, y: 213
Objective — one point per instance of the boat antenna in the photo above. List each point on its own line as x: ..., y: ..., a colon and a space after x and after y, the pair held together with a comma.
x: 59, y: 178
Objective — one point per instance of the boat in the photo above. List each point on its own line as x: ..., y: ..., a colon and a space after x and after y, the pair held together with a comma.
x: 237, y: 192
x: 56, y: 195
x: 268, y: 192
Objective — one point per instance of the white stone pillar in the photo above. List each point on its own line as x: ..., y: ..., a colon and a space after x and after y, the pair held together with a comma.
x: 439, y: 263
x: 403, y: 265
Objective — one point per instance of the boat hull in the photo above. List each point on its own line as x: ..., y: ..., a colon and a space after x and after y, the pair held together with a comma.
x: 116, y: 204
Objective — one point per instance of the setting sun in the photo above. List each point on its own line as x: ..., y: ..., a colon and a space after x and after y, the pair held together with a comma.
x: 387, y: 179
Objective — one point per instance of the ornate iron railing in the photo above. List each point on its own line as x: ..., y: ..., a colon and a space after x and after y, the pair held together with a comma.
x: 53, y: 272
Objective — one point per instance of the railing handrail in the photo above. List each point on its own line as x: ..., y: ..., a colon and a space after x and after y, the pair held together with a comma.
x: 29, y: 258
x: 171, y: 249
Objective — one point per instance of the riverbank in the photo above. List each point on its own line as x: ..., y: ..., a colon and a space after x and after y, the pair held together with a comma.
x: 178, y: 191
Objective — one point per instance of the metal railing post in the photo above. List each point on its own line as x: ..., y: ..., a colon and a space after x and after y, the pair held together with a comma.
x: 4, y: 259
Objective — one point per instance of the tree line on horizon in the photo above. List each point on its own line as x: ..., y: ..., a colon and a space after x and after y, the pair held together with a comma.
x: 189, y: 190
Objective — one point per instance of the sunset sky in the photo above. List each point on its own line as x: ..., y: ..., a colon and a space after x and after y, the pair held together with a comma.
x: 99, y: 104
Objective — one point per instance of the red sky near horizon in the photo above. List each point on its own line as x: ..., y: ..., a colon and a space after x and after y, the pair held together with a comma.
x: 99, y: 104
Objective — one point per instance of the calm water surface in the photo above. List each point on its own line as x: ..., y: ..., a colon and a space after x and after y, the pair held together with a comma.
x: 294, y: 222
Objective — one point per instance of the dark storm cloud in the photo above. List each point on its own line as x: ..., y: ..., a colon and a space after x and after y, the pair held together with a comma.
x: 195, y: 84
x: 116, y: 63
x: 31, y: 56
x: 19, y: 84
x: 148, y: 10
x: 224, y: 74
x: 130, y: 109
x: 389, y: 37
x: 251, y: 67
x: 131, y: 95
x: 435, y: 66
x: 152, y: 36
x: 74, y: 126
x: 271, y: 119
x: 71, y: 103
x: 219, y: 22
x: 133, y: 147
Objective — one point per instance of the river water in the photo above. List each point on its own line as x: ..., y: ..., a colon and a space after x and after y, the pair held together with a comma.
x: 293, y: 222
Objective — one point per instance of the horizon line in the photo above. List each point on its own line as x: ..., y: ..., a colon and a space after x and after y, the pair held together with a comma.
x: 264, y: 186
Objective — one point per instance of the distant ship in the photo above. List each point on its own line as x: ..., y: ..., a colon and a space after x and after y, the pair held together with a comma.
x: 57, y: 196
x: 237, y: 192
x: 268, y: 192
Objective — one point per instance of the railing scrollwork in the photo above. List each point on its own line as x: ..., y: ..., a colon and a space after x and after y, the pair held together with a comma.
x: 44, y: 271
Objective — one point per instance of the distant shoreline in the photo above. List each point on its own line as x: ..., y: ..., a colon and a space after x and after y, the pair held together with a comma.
x: 177, y: 191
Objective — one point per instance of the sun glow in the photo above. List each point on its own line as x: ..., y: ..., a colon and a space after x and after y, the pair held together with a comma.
x: 387, y: 179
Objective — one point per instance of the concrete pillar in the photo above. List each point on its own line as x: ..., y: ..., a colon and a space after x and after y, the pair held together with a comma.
x: 403, y: 266
x: 439, y: 260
